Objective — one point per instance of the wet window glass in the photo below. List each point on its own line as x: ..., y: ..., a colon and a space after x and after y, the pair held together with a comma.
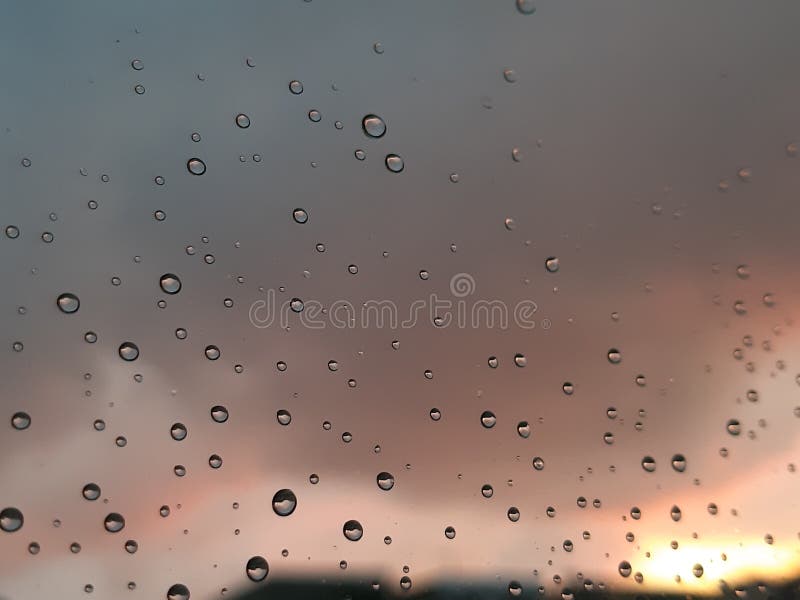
x: 310, y: 299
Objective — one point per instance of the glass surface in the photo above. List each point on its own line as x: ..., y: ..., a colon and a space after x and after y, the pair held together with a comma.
x: 467, y: 299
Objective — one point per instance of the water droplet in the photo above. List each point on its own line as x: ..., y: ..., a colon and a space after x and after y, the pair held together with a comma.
x: 405, y: 582
x: 91, y: 491
x: 515, y: 588
x: 137, y: 64
x: 538, y: 463
x: 488, y: 420
x: 608, y: 438
x: 614, y: 356
x: 513, y: 514
x: 212, y: 352
x: 12, y: 231
x: 516, y: 155
x: 697, y: 570
x: 215, y: 461
x: 449, y: 532
x: 487, y: 491
x: 242, y: 121
x: 373, y: 126
x: 68, y: 303
x: 625, y: 568
x: 568, y: 388
x: 299, y: 215
x: 20, y: 421
x: 178, y: 591
x: 11, y: 519
x: 284, y: 417
x: 352, y: 530
x: 385, y: 481
x: 435, y: 414
x: 524, y: 429
x: 526, y: 7
x: 745, y: 174
x: 284, y: 502
x: 219, y: 414
x: 128, y: 351
x: 679, y: 463
x: 394, y: 163
x: 314, y: 116
x: 675, y: 513
x: 520, y: 360
x: 510, y: 75
x: 196, y: 166
x: 734, y: 427
x: 649, y: 464
x: 178, y: 432
x: 114, y: 522
x: 170, y: 283
x: 551, y: 264
x: 139, y: 89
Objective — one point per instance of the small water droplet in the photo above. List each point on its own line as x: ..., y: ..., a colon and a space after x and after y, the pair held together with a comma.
x: 242, y: 121
x: 551, y: 264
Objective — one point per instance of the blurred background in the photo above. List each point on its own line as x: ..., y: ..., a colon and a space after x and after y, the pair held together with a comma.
x: 372, y: 299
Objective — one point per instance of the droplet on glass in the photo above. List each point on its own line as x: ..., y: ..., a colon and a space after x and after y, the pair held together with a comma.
x: 353, y: 530
x: 170, y: 284
x: 196, y: 166
x: 128, y: 351
x: 68, y: 303
x: 284, y: 502
x: 394, y: 163
x: 373, y: 126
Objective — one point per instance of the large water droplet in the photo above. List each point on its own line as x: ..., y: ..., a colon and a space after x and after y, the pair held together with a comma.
x: 649, y: 464
x: 679, y: 463
x: 488, y: 420
x: 178, y: 431
x: 300, y: 215
x: 178, y: 591
x: 170, y: 283
x: 219, y: 414
x: 284, y: 502
x: 114, y: 522
x: 526, y: 7
x: 373, y: 126
x: 20, y: 421
x: 242, y: 120
x: 196, y: 166
x: 91, y: 491
x: 128, y: 351
x: 68, y: 303
x: 353, y: 530
x: 394, y: 163
x: 385, y: 481
x: 11, y: 519
x: 625, y: 568
x: 257, y: 569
